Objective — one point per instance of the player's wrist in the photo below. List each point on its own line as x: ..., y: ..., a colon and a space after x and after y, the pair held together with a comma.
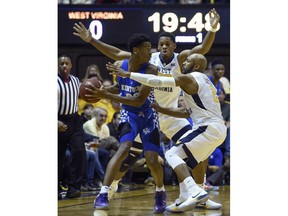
x: 211, y: 29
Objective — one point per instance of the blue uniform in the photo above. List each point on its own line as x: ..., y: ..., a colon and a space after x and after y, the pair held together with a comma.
x: 218, y: 87
x: 143, y: 119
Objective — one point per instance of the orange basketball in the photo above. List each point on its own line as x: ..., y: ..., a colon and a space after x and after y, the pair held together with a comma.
x: 94, y: 81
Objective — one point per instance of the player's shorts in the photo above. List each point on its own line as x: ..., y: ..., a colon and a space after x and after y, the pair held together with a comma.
x: 173, y: 127
x: 145, y: 123
x: 199, y: 143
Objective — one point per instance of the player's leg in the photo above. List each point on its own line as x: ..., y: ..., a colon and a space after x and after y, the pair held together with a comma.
x: 150, y: 137
x: 127, y: 164
x: 128, y: 133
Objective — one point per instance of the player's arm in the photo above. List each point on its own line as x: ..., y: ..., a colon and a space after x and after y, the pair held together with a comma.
x: 114, y: 89
x: 186, y: 82
x: 108, y: 50
x: 180, y: 112
x: 136, y: 101
x: 208, y: 39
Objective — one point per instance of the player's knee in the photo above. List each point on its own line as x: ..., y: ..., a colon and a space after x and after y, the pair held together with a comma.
x: 129, y: 161
x: 151, y: 159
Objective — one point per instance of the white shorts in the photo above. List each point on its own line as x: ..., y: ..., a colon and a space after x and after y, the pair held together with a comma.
x: 170, y: 126
x: 200, y: 142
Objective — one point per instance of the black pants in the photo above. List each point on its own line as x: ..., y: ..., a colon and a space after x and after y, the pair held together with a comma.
x: 72, y: 138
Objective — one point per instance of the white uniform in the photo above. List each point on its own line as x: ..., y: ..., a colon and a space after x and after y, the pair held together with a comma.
x: 209, y: 130
x: 168, y: 97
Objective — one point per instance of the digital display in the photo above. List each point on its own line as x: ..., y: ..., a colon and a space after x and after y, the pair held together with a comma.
x: 115, y: 25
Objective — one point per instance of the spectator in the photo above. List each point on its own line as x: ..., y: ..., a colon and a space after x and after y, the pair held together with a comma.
x: 113, y: 126
x: 215, y: 174
x: 190, y: 1
x: 87, y: 112
x: 93, y: 71
x: 225, y: 147
x: 97, y: 127
x: 218, y: 71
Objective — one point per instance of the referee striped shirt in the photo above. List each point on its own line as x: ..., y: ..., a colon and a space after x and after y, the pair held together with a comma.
x: 68, y: 95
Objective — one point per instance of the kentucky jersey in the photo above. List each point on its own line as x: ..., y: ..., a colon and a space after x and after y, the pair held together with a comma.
x: 141, y: 120
x: 130, y: 88
x: 204, y: 105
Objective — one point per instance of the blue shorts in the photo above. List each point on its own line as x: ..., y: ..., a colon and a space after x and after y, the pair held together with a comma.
x: 145, y: 123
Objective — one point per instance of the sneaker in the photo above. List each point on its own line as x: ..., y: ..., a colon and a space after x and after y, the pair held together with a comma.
x: 73, y: 193
x: 200, y: 197
x: 113, y: 189
x: 209, y: 205
x: 160, y: 203
x: 149, y: 181
x: 208, y: 187
x: 174, y: 207
x: 101, y: 201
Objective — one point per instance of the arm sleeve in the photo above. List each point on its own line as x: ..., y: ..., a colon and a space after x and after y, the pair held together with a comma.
x: 152, y: 80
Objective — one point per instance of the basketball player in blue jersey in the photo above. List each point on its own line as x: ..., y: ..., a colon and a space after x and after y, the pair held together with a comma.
x: 137, y: 117
x: 168, y: 63
x: 208, y: 132
x: 218, y: 71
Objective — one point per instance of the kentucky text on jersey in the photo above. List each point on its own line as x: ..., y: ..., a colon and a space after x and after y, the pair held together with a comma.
x: 130, y: 88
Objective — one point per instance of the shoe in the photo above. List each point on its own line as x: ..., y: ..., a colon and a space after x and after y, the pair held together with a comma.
x: 73, y: 193
x: 59, y: 196
x: 174, y: 207
x: 113, y: 189
x: 200, y: 197
x: 209, y: 205
x: 160, y: 203
x: 207, y: 187
x: 88, y: 187
x: 101, y: 201
x: 149, y: 181
x: 63, y: 186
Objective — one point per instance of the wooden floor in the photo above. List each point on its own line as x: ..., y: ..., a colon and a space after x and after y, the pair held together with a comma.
x: 137, y: 200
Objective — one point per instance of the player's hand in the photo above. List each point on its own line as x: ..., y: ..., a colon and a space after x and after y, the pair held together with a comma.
x: 155, y: 105
x: 117, y: 70
x: 61, y: 126
x: 96, y: 93
x: 214, y: 18
x: 82, y: 32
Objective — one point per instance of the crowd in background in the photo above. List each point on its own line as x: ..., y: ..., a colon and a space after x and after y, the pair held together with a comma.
x: 143, y: 1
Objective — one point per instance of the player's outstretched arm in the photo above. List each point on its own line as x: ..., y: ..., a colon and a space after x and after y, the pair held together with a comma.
x: 206, y: 45
x: 110, y: 51
x: 146, y: 79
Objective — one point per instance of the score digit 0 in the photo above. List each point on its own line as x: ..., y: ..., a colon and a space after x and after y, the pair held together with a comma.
x: 96, y: 29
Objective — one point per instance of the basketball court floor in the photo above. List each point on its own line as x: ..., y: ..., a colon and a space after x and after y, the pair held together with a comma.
x: 138, y: 200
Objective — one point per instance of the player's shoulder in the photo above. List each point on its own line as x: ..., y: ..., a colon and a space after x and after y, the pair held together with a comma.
x: 152, y: 69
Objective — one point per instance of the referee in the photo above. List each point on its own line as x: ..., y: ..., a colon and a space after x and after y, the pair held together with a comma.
x: 70, y: 129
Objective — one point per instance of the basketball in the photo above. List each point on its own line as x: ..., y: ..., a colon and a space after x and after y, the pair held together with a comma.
x: 94, y: 81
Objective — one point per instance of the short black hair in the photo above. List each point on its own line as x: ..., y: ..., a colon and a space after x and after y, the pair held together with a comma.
x: 167, y: 34
x: 115, y: 115
x: 136, y: 40
x: 217, y: 61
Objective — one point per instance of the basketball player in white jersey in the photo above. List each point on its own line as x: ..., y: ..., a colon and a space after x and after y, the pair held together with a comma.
x: 209, y: 130
x: 168, y: 63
